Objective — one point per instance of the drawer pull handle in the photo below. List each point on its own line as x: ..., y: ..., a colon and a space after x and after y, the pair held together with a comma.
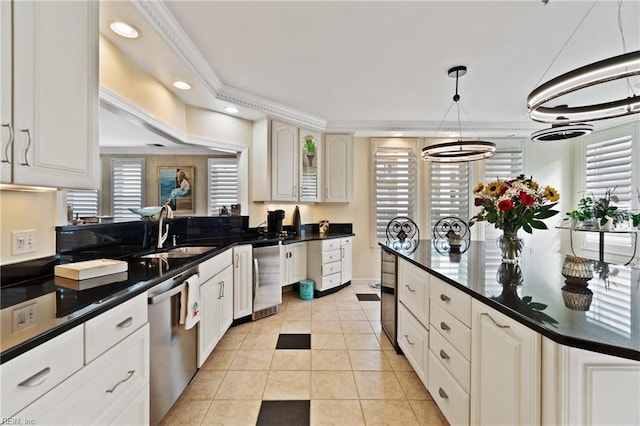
x: 406, y: 336
x: 442, y: 393
x: 444, y: 326
x: 37, y: 379
x: 444, y: 298
x: 126, y: 323
x: 412, y: 290
x: 129, y: 375
x: 9, y: 142
x: 494, y: 321
x: 443, y: 354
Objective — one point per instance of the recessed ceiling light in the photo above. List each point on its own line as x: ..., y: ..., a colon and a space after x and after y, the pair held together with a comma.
x: 182, y: 85
x: 124, y: 30
x: 231, y: 110
x: 397, y: 135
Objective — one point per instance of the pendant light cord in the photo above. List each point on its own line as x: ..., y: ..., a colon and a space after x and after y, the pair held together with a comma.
x: 567, y: 42
x: 630, y: 91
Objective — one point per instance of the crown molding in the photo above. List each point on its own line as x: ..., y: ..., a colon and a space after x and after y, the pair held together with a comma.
x: 432, y: 128
x: 159, y: 17
x: 163, y: 22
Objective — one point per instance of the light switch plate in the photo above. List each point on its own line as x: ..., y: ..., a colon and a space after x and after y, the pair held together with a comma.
x: 25, y: 317
x: 23, y: 242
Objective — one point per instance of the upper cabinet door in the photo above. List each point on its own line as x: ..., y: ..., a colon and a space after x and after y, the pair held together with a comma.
x: 6, y: 132
x: 55, y: 94
x: 284, y: 162
x: 338, y: 168
x: 310, y: 165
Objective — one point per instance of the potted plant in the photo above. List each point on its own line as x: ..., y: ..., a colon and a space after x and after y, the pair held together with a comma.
x: 607, y: 214
x: 635, y: 219
x: 584, y: 215
x: 310, y: 149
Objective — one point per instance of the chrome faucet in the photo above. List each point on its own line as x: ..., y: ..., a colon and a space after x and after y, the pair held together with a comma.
x: 169, y: 215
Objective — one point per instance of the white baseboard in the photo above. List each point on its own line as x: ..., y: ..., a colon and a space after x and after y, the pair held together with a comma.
x: 365, y: 281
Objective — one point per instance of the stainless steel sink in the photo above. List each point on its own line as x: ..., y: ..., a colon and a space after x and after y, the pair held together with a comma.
x: 179, y: 252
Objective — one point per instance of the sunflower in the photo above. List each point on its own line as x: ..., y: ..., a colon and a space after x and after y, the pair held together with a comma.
x: 493, y: 188
x: 551, y: 194
x: 479, y: 187
x: 534, y: 185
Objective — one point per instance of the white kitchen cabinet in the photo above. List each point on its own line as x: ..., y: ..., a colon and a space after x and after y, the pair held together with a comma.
x: 284, y: 162
x: 505, y: 369
x: 413, y: 290
x: 101, y: 391
x: 346, y: 247
x: 216, y: 311
x: 6, y: 95
x: 295, y: 262
x: 338, y: 168
x: 413, y: 339
x: 55, y: 95
x: 310, y: 176
x: 242, y: 281
x: 581, y: 387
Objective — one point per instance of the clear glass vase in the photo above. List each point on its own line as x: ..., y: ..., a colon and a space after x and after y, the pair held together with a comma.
x: 510, y: 246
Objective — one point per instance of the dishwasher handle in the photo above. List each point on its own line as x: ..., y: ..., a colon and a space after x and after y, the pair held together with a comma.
x: 166, y: 295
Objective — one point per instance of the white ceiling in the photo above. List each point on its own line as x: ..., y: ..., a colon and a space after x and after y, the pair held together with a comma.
x: 376, y: 67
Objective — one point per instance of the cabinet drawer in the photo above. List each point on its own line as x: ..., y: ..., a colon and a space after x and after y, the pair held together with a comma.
x: 346, y: 241
x: 331, y: 268
x: 451, y: 359
x: 332, y: 244
x: 215, y: 265
x: 330, y: 281
x: 331, y: 256
x: 105, y: 330
x: 452, y: 300
x: 99, y: 391
x: 458, y: 334
x: 413, y: 339
x: 413, y: 290
x: 31, y: 375
x: 452, y: 400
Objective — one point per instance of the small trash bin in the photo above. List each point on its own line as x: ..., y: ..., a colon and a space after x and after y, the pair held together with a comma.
x: 306, y: 289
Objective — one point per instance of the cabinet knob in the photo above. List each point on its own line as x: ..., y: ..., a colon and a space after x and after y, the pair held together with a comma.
x: 485, y: 314
x: 442, y: 393
x: 444, y: 326
x: 444, y: 298
x: 9, y: 142
x: 26, y: 148
x: 443, y: 354
x: 406, y: 336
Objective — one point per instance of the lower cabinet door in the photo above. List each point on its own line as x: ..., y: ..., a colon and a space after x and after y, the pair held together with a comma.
x: 137, y: 412
x: 242, y: 281
x: 413, y: 339
x: 99, y: 392
x: 505, y: 369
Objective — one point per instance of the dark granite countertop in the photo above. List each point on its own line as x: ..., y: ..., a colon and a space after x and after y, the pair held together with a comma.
x: 534, y: 294
x: 66, y: 308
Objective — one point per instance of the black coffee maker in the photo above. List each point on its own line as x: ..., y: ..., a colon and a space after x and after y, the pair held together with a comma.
x: 274, y: 221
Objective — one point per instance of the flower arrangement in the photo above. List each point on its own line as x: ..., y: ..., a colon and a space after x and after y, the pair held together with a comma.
x: 515, y: 203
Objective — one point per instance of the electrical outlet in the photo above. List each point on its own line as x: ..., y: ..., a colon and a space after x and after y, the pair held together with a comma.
x: 23, y: 242
x: 25, y: 317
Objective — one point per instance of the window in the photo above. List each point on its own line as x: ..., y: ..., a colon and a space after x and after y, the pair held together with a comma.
x: 84, y: 202
x: 395, y: 182
x: 609, y: 160
x: 223, y: 183
x: 449, y: 191
x: 127, y: 180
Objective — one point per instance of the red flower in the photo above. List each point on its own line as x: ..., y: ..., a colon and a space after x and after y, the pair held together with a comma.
x: 526, y: 199
x: 504, y: 188
x: 505, y: 205
x: 478, y: 201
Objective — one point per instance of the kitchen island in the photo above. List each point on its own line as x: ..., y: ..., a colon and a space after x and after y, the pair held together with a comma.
x: 480, y: 333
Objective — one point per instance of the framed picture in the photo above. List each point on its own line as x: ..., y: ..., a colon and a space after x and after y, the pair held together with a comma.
x: 176, y: 187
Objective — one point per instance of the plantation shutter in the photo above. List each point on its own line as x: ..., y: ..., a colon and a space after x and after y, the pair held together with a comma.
x: 506, y: 163
x: 395, y: 175
x: 223, y: 183
x: 609, y: 166
x: 84, y: 202
x: 127, y: 178
x: 612, y: 302
x: 449, y: 191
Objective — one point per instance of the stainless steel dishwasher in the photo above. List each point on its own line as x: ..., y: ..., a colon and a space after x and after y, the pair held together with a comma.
x: 173, y: 350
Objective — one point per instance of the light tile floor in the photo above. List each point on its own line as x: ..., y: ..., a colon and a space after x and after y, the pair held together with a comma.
x: 351, y: 375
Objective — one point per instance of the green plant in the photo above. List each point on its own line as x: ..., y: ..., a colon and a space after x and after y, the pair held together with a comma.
x: 605, y: 210
x: 635, y: 219
x: 583, y: 212
x: 310, y: 145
